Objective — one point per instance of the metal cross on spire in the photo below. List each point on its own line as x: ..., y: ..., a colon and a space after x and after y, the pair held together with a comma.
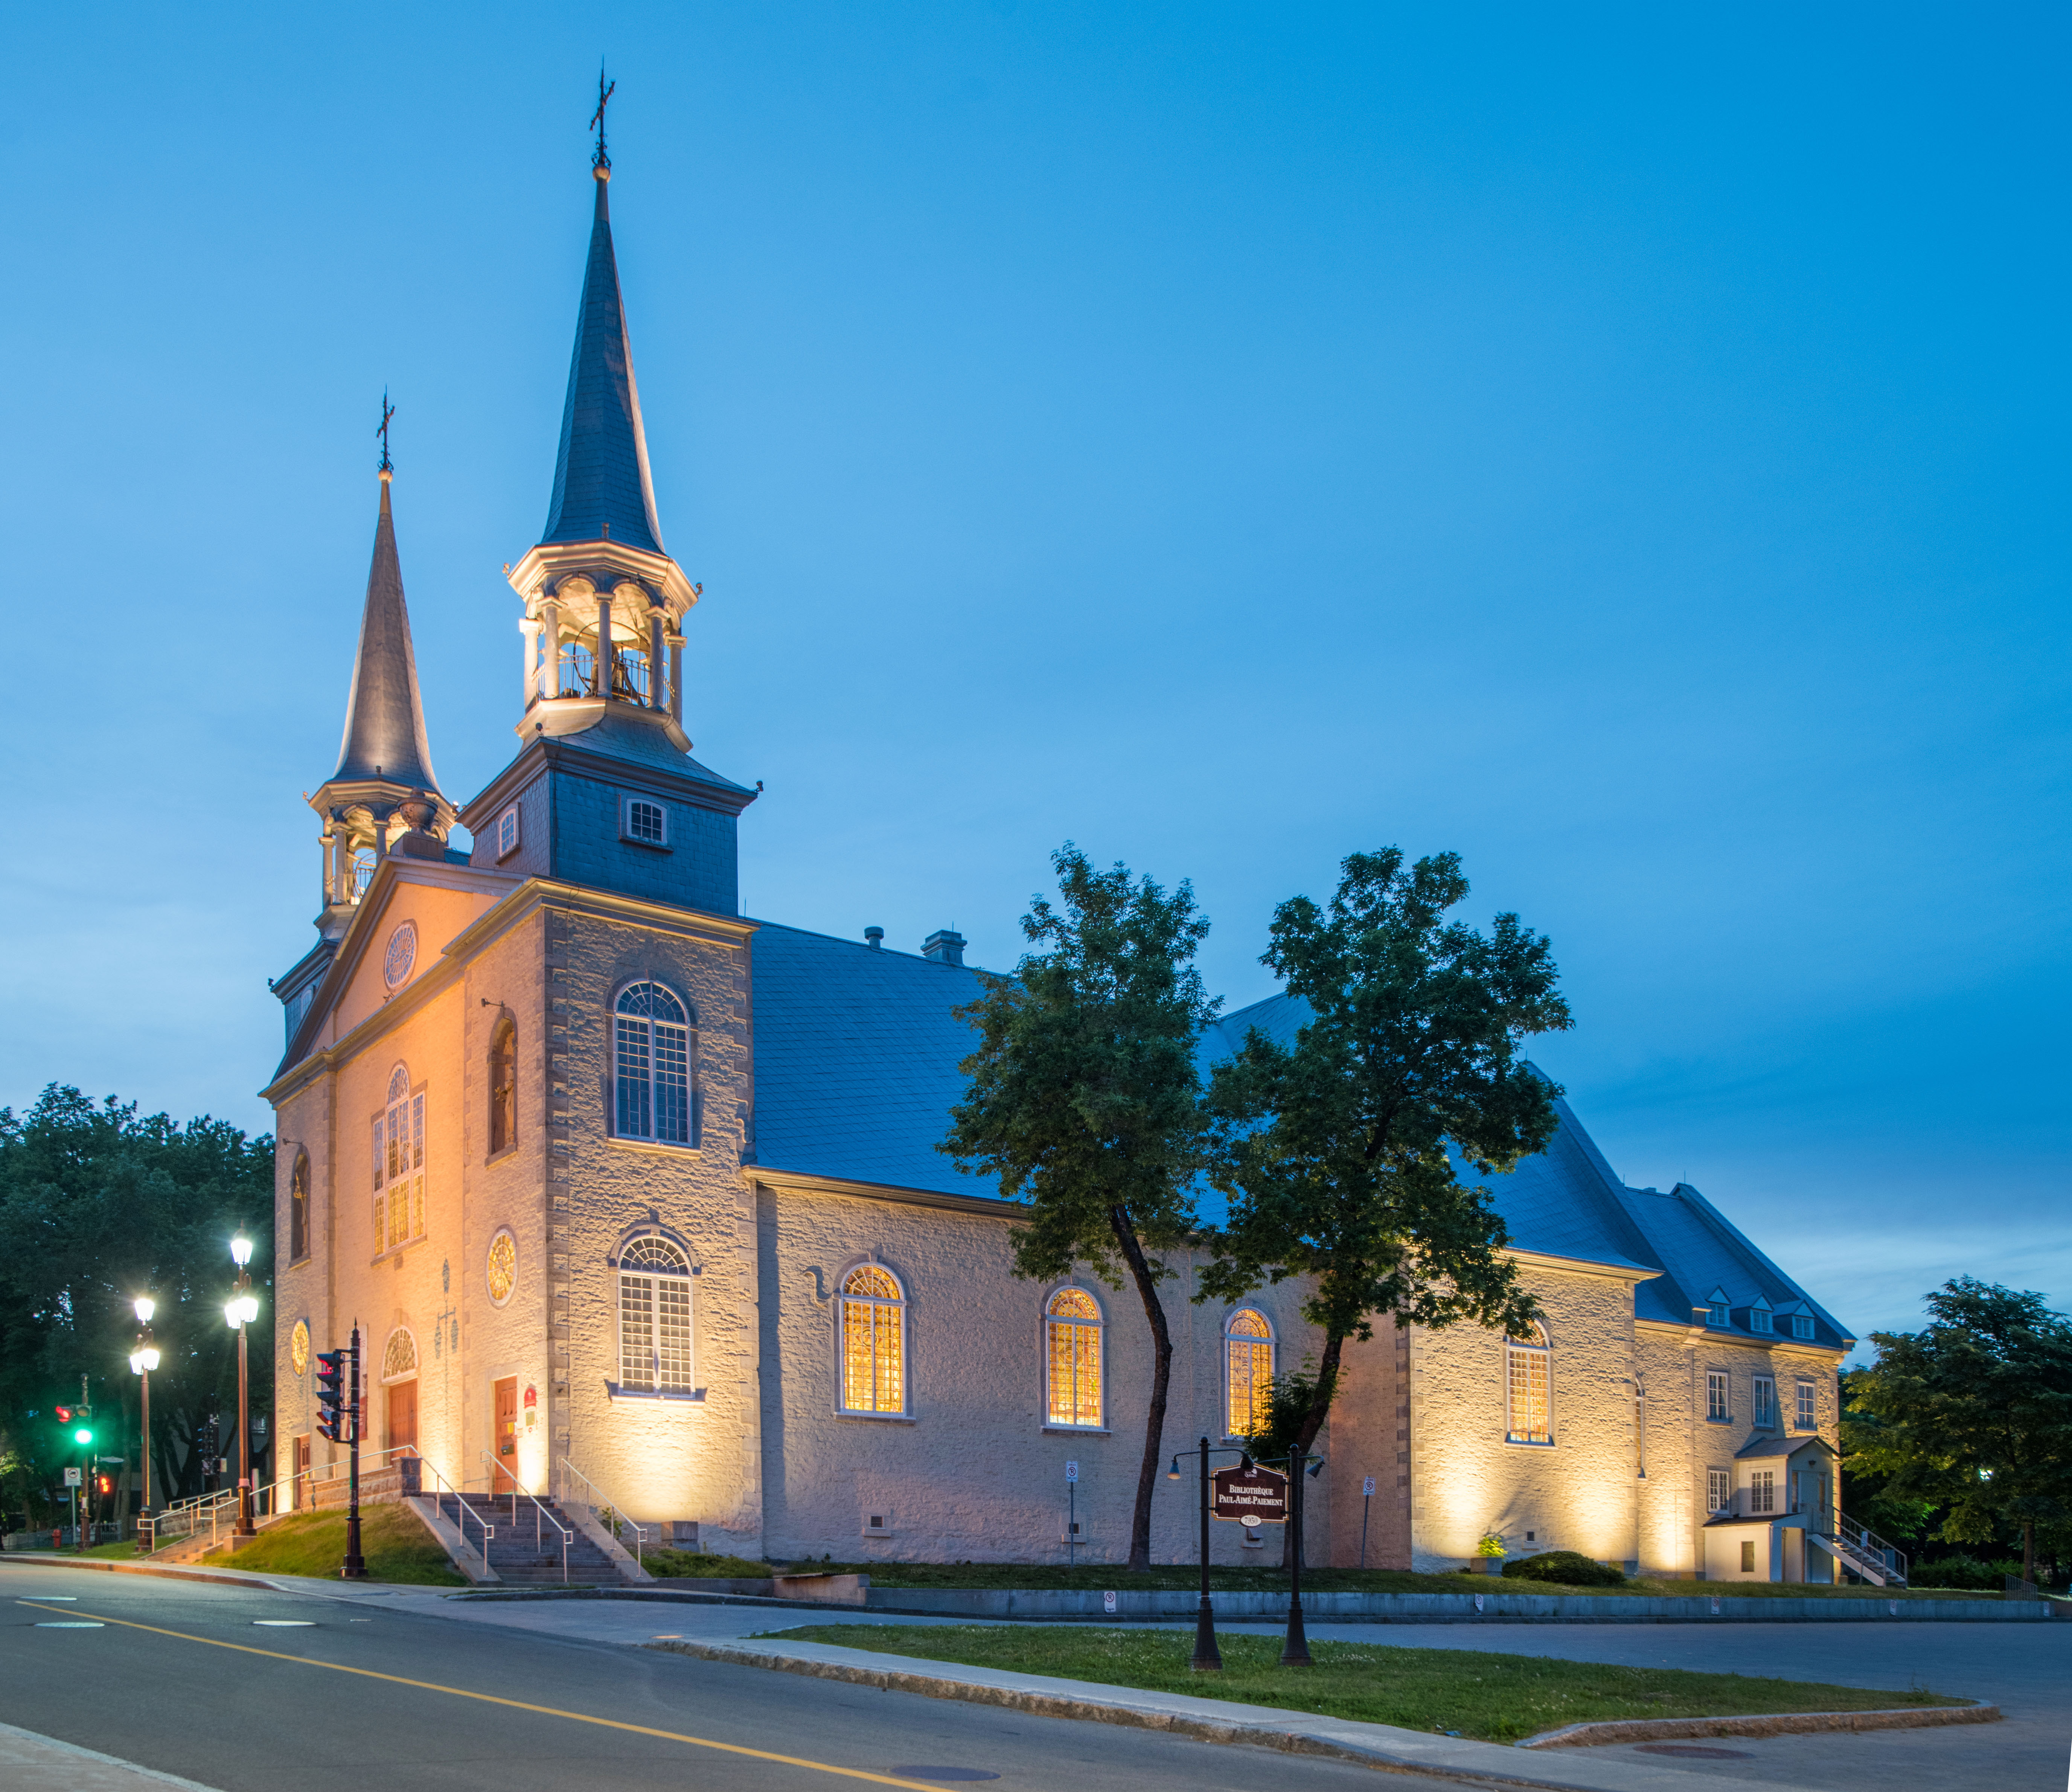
x: 604, y: 94
x: 388, y: 411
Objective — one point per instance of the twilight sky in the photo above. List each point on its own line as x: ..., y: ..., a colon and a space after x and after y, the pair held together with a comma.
x: 1623, y: 446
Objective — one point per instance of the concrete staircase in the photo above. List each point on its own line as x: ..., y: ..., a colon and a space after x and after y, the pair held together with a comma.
x: 529, y: 1552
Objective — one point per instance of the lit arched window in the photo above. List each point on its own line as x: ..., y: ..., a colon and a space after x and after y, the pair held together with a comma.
x: 1072, y: 1355
x: 399, y: 1165
x: 1528, y: 1410
x: 654, y: 1317
x: 1248, y: 1350
x: 874, y: 1340
x: 651, y: 1036
x: 503, y: 1086
x: 298, y: 1209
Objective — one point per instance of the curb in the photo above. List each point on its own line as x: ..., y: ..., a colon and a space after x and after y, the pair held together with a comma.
x: 1785, y: 1723
x: 171, y: 1571
x: 1055, y: 1704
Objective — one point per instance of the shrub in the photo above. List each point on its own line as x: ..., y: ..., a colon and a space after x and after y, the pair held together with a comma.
x: 1565, y: 1567
x: 1964, y: 1573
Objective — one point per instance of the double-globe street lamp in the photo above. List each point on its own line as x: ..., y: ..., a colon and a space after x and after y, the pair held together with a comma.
x: 239, y: 1311
x: 142, y: 1360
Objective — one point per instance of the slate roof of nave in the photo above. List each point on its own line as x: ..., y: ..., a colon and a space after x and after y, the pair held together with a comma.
x: 856, y: 1051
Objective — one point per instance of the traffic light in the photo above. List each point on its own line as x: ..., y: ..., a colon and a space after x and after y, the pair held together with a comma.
x: 104, y: 1484
x: 330, y: 1395
x: 63, y: 1413
x: 82, y: 1436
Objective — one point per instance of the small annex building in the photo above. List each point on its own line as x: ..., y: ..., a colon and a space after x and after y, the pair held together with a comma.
x: 636, y: 1198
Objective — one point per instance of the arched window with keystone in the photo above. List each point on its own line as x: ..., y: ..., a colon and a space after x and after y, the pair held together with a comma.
x: 652, y: 1033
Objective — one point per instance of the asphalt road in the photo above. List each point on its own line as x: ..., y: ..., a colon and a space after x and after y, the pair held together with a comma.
x: 184, y: 1677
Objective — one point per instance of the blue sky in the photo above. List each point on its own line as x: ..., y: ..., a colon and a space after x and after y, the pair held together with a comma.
x: 1626, y: 448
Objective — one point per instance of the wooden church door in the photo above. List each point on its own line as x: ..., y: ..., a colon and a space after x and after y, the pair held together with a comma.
x: 506, y: 1433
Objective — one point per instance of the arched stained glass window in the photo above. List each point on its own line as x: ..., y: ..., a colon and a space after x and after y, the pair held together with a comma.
x: 1528, y: 1408
x: 654, y: 1317
x: 874, y: 1340
x: 399, y: 1165
x: 652, y: 1036
x: 1072, y: 1357
x: 503, y: 1086
x: 1248, y: 1352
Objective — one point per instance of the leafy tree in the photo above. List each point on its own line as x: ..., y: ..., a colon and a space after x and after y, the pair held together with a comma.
x: 1972, y: 1413
x: 97, y: 1205
x: 1085, y: 1101
x: 1341, y: 1155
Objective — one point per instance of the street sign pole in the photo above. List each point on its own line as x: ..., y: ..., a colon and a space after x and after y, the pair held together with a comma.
x: 1366, y: 1501
x: 1208, y: 1658
x: 1295, y: 1651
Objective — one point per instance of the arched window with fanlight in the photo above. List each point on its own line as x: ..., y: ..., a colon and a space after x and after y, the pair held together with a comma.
x: 651, y: 1044
x: 874, y: 1340
x: 399, y: 1164
x: 1248, y: 1359
x: 1529, y: 1413
x: 1072, y: 1357
x: 298, y: 1208
x: 654, y: 1317
x: 504, y: 1086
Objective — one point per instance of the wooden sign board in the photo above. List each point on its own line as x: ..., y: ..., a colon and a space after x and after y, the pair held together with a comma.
x: 1249, y: 1496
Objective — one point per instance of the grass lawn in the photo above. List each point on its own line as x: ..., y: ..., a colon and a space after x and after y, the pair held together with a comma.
x: 1492, y: 1698
x: 1180, y: 1578
x: 396, y: 1546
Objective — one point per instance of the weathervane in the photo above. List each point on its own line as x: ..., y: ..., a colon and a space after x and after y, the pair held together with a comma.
x: 604, y: 94
x: 388, y: 411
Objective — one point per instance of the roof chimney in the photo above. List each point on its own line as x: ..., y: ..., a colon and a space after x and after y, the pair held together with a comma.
x: 875, y: 937
x: 945, y: 946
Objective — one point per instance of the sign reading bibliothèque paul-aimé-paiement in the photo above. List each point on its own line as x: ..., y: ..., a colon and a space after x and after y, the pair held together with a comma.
x: 1250, y: 1496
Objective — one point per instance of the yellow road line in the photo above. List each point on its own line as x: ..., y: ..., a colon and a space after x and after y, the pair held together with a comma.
x: 514, y: 1704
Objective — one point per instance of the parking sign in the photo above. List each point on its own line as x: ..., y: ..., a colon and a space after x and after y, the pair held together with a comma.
x: 1071, y: 1471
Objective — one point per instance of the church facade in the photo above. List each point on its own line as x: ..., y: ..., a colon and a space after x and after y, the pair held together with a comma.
x: 634, y: 1198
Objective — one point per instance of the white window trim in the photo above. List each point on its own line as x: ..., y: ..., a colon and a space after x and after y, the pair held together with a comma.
x: 1541, y: 1345
x: 693, y: 1117
x: 904, y: 1414
x: 1099, y: 1326
x: 688, y: 1275
x: 1756, y: 1402
x: 511, y: 814
x: 1727, y: 1387
x: 626, y: 832
x: 1805, y: 1394
x: 1272, y: 1343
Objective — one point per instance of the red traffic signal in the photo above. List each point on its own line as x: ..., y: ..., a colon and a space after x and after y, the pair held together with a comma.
x: 330, y: 1395
x: 104, y: 1484
x: 63, y: 1413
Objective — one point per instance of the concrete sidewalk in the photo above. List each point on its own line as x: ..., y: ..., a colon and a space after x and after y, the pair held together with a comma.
x: 33, y: 1763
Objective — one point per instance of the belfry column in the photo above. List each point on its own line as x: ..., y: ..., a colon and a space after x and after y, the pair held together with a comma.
x: 530, y: 628
x: 604, y: 644
x: 553, y: 640
x: 656, y: 616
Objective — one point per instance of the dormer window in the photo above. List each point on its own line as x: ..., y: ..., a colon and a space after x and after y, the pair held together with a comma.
x: 648, y: 823
x: 1716, y: 1310
x: 1802, y: 1326
x: 506, y: 832
x: 1759, y: 1317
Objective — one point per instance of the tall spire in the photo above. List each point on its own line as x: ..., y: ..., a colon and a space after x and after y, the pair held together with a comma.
x: 602, y: 487
x: 385, y: 717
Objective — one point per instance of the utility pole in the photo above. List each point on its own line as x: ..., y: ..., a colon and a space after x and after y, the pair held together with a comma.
x: 354, y: 1567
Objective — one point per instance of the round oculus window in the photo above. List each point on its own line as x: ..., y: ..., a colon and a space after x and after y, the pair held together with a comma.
x: 298, y: 1347
x: 503, y: 1267
x: 402, y: 953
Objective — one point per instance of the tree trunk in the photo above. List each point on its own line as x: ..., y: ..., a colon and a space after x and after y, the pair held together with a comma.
x: 1161, y: 1377
x: 2028, y: 1552
x: 1312, y: 1426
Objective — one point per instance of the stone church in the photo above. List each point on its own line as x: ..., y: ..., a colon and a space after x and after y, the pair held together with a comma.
x: 634, y: 1198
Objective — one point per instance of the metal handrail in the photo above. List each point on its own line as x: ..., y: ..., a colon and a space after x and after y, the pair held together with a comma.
x: 603, y: 1505
x: 194, y: 1508
x: 538, y: 1512
x: 460, y: 1500
x: 1848, y: 1532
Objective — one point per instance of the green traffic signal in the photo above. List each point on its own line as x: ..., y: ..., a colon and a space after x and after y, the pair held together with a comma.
x: 82, y: 1436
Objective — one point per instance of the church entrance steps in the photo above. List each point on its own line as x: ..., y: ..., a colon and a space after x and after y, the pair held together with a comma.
x: 528, y: 1551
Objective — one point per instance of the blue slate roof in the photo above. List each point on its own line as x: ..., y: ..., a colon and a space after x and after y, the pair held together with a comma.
x: 856, y: 1069
x: 602, y: 487
x: 384, y: 717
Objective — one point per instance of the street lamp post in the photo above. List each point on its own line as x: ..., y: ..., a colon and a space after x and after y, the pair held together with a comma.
x: 142, y: 1360
x: 239, y: 1310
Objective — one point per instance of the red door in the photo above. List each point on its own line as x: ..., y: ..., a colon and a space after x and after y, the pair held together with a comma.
x: 507, y: 1436
x: 302, y: 1469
